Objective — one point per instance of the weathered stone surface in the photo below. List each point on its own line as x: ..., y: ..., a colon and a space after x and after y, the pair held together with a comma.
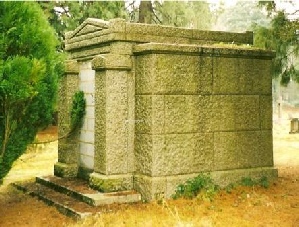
x: 71, y: 67
x: 86, y: 161
x: 224, y: 178
x: 93, y: 32
x: 247, y: 149
x: 130, y: 122
x: 68, y: 152
x: 144, y: 154
x: 65, y: 170
x: 144, y: 66
x: 175, y: 154
x: 150, y: 188
x: 183, y: 114
x: 266, y: 112
x: 89, y: 54
x: 194, y: 113
x: 112, y: 61
x: 150, y: 114
x: 235, y: 112
x: 100, y: 122
x: 68, y: 86
x: 116, y: 81
x: 112, y: 141
x: 121, y: 48
x: 111, y: 183
x: 173, y: 74
x: 241, y: 76
x: 266, y: 149
x: 153, y: 188
x: 68, y: 148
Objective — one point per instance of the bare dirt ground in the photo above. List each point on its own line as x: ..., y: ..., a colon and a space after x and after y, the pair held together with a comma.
x: 244, y: 206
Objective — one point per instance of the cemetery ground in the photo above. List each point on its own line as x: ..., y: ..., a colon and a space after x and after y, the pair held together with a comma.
x: 277, y: 205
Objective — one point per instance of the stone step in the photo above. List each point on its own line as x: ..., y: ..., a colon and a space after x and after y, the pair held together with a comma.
x: 79, y: 189
x: 73, y: 197
x: 65, y: 204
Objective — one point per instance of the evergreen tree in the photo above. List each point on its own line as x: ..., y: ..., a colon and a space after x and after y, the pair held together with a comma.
x: 192, y: 14
x: 67, y: 15
x: 243, y: 16
x: 282, y: 36
x: 29, y: 65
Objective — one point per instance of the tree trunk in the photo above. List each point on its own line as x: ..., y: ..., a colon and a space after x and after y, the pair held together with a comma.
x: 7, y: 132
x: 145, y: 12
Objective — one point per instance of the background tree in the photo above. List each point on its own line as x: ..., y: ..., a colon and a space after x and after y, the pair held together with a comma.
x: 273, y: 30
x: 282, y: 36
x: 67, y: 15
x: 195, y: 14
x: 241, y: 17
x: 29, y: 65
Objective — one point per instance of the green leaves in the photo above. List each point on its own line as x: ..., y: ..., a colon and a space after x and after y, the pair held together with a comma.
x: 282, y: 38
x: 73, y: 13
x: 29, y: 66
x: 19, y: 77
x: 195, y: 14
x: 244, y: 16
x: 78, y: 110
x: 201, y: 183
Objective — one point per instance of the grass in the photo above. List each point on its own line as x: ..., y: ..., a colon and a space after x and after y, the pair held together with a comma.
x: 37, y: 161
x: 234, y: 206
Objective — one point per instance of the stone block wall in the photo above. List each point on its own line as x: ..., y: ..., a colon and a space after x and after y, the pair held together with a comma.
x: 168, y: 104
x: 203, y: 109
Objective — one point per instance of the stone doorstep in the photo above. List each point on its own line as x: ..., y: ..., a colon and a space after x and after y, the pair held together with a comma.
x: 63, y: 203
x: 73, y: 197
x: 82, y: 192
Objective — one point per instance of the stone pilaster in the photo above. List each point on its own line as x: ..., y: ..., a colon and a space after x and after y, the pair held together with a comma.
x: 114, y: 124
x: 67, y: 164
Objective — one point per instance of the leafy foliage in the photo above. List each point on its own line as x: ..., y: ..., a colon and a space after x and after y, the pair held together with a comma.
x: 273, y: 30
x: 201, y: 183
x: 67, y: 15
x: 78, y: 110
x: 249, y: 182
x: 195, y: 14
x: 282, y: 37
x: 29, y: 65
x: 243, y: 16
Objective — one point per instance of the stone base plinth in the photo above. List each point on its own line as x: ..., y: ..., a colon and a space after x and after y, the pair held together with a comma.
x: 111, y: 183
x: 65, y: 170
x: 152, y: 188
x: 224, y: 178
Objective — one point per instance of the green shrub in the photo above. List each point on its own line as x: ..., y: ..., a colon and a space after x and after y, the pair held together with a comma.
x: 78, y: 111
x: 247, y: 181
x: 229, y: 188
x: 264, y: 182
x: 29, y: 68
x: 192, y: 188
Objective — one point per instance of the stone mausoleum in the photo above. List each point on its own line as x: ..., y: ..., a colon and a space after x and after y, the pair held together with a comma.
x: 163, y: 105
